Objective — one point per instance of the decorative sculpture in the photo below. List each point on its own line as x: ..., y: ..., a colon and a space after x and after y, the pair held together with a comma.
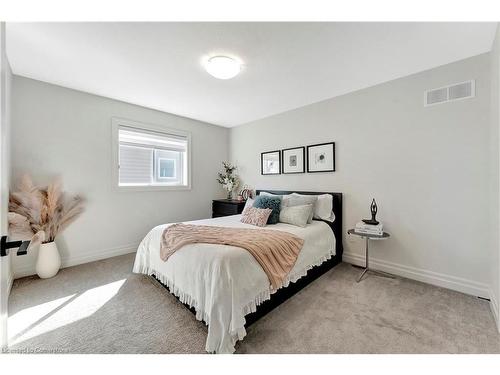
x: 373, y: 209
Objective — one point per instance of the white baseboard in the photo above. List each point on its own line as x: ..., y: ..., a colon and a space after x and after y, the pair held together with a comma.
x: 494, y: 309
x: 434, y: 278
x: 104, y: 254
x: 29, y: 269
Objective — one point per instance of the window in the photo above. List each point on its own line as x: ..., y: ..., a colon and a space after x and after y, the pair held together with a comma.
x: 166, y: 168
x: 150, y: 157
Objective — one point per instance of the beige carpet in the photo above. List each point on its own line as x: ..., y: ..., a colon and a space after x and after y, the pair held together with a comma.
x: 102, y: 307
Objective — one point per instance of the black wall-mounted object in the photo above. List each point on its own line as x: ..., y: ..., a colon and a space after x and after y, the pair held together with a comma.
x: 5, y: 245
x: 284, y: 162
x: 262, y: 157
x: 331, y: 153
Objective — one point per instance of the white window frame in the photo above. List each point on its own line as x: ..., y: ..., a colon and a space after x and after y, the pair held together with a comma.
x: 116, y: 122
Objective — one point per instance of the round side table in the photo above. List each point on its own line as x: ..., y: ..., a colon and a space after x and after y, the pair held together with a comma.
x: 369, y: 237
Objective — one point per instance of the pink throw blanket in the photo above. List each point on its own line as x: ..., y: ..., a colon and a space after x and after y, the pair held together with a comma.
x: 276, y: 251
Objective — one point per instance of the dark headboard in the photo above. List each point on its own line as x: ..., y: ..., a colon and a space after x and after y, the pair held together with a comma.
x: 337, y: 210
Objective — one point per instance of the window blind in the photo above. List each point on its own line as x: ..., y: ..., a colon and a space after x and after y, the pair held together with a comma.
x: 129, y: 136
x: 140, y: 152
x: 136, y: 164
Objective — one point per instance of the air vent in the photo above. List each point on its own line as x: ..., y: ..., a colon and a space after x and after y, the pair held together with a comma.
x: 450, y: 93
x: 437, y: 96
x: 460, y: 91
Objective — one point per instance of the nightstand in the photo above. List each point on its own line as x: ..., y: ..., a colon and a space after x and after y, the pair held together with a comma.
x: 226, y: 207
x: 369, y: 237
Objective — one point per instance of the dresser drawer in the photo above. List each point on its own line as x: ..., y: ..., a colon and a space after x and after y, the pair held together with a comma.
x: 226, y: 208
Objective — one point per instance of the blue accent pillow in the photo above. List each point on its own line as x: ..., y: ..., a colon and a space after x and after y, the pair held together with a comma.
x: 272, y: 202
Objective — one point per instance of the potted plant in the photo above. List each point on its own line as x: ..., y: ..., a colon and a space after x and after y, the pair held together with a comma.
x: 45, y: 211
x: 227, y: 179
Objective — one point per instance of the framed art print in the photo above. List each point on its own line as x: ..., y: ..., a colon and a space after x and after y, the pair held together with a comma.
x: 321, y: 157
x: 270, y: 162
x: 293, y: 160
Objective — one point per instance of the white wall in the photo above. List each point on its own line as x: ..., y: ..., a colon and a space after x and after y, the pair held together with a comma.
x: 494, y: 265
x: 426, y: 167
x: 5, y: 102
x: 58, y: 131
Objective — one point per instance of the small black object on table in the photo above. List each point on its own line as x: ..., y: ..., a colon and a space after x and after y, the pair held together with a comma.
x: 373, y: 210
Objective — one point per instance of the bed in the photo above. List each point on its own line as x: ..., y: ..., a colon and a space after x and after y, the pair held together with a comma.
x: 225, y: 286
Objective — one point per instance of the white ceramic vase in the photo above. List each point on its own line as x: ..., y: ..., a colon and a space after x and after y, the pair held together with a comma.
x: 48, y: 261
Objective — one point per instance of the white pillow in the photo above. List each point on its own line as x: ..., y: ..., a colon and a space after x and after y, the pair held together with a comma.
x: 299, y: 200
x: 249, y: 203
x: 296, y: 215
x: 323, y: 207
x: 265, y: 193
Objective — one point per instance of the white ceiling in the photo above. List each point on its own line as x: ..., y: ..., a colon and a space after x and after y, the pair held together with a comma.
x: 287, y: 65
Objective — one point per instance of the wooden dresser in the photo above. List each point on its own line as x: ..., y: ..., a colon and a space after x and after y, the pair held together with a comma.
x: 226, y: 207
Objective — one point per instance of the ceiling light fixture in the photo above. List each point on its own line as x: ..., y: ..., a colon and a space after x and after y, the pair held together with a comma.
x: 223, y: 67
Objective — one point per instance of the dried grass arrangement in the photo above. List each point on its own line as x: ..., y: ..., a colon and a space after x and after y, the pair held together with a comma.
x: 43, y: 209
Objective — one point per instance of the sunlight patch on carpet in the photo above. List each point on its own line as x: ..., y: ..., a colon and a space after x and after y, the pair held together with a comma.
x: 46, y: 317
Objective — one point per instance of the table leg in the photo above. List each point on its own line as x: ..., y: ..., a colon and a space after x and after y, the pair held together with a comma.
x: 383, y: 274
x: 366, y: 253
x: 367, y: 268
x: 366, y: 262
x: 362, y: 274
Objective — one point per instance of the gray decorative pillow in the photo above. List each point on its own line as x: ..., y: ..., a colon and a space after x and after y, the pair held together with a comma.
x: 300, y: 200
x: 296, y: 215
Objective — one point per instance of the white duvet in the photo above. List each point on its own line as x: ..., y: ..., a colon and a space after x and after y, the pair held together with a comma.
x: 225, y: 283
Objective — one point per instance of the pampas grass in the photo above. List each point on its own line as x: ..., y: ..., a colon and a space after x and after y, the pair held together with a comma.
x: 43, y: 209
